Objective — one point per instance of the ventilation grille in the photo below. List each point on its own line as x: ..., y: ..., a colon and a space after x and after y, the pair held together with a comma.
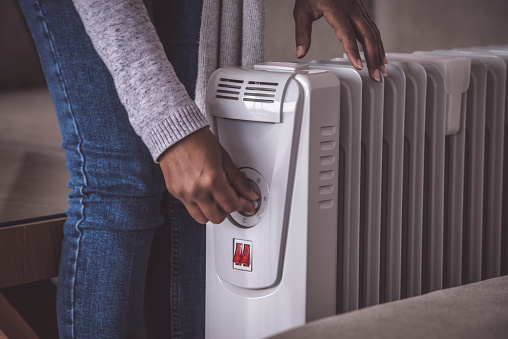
x: 254, y: 91
x: 229, y: 89
x: 327, y: 159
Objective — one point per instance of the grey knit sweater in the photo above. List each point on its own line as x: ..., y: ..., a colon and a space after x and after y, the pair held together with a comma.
x: 159, y: 108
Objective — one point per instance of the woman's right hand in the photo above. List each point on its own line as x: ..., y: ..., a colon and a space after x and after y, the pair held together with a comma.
x: 200, y: 173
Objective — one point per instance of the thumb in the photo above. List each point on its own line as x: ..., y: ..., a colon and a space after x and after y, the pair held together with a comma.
x: 303, y: 29
x: 236, y: 179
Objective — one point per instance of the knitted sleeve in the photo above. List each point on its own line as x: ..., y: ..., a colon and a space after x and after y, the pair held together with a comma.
x: 159, y: 108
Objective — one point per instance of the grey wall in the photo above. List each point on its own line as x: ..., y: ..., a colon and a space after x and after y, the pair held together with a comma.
x: 405, y: 25
x: 280, y: 35
x: 409, y: 25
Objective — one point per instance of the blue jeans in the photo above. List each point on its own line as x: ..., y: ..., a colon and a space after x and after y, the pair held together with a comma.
x: 133, y: 260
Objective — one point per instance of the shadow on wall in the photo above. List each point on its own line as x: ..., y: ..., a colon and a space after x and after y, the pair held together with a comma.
x: 410, y: 25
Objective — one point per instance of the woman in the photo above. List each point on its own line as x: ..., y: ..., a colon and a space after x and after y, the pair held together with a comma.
x: 122, y: 75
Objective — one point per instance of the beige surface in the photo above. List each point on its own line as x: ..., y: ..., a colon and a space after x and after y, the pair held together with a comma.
x: 478, y: 310
x: 33, y: 175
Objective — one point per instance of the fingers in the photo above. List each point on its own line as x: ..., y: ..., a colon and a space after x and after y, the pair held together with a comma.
x: 369, y: 41
x: 218, y: 200
x: 369, y: 37
x: 376, y: 30
x: 236, y: 179
x: 303, y: 28
x: 351, y: 23
x: 224, y: 192
x: 212, y: 211
x: 346, y: 34
x: 196, y: 213
x: 229, y: 201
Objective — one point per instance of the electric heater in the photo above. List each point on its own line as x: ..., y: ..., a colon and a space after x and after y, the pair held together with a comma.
x: 369, y: 191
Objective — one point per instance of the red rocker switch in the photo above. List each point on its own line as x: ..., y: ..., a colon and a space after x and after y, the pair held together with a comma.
x: 242, y: 255
x: 238, y: 254
x: 246, y: 256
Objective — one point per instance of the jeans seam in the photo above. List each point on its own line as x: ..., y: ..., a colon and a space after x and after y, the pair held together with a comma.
x: 80, y: 142
x: 175, y: 286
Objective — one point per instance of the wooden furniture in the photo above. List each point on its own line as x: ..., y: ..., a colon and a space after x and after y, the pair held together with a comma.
x: 33, y: 196
x: 29, y: 256
x: 30, y: 252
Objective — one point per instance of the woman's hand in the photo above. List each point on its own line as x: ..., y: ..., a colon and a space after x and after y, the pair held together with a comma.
x: 351, y: 22
x: 200, y: 174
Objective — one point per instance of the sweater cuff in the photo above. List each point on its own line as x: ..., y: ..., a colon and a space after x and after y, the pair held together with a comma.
x: 172, y: 129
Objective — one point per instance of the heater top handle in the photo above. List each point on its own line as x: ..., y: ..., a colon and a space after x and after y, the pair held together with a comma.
x: 282, y: 66
x: 250, y: 93
x: 456, y: 74
x: 343, y: 62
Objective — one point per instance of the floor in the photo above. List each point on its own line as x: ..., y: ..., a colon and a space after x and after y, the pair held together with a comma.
x: 33, y: 175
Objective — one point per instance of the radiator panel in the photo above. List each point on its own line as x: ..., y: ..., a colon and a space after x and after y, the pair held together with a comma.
x: 493, y: 173
x: 349, y: 196
x: 414, y: 139
x: 422, y: 186
x: 502, y: 51
x: 391, y: 202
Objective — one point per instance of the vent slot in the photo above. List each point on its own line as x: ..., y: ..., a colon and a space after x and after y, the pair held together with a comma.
x: 258, y: 100
x: 325, y: 204
x: 262, y: 91
x: 230, y: 86
x: 227, y: 92
x: 226, y: 89
x: 226, y: 97
x: 259, y: 92
x: 265, y: 95
x: 263, y: 83
x: 232, y: 80
x: 265, y: 89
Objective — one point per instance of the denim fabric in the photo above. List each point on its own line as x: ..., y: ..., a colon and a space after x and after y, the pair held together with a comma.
x: 132, y: 262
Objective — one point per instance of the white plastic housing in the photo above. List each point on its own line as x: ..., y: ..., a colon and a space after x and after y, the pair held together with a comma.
x: 266, y: 125
x: 455, y: 73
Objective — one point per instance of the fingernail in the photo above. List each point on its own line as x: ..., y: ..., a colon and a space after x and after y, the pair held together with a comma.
x: 359, y: 64
x: 383, y: 70
x: 299, y: 51
x: 377, y: 76
x: 385, y: 60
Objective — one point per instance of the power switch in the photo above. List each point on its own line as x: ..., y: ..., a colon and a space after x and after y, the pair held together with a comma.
x: 246, y: 256
x: 238, y: 254
x: 242, y: 255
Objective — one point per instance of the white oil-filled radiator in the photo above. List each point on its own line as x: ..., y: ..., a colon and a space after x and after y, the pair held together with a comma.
x: 369, y: 191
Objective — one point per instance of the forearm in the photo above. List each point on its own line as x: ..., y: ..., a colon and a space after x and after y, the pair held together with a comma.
x: 159, y: 108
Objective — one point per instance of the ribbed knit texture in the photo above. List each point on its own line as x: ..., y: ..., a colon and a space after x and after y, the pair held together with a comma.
x: 159, y: 108
x: 232, y: 34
